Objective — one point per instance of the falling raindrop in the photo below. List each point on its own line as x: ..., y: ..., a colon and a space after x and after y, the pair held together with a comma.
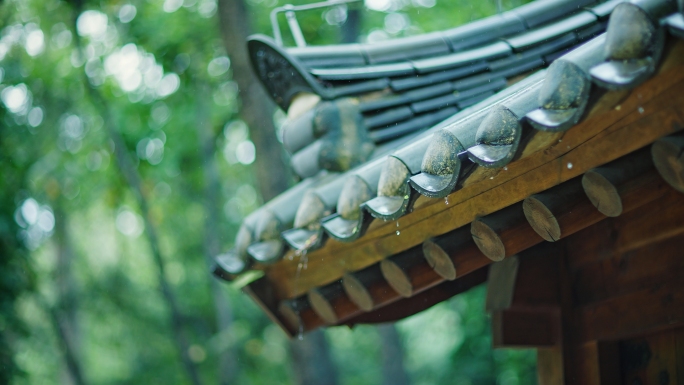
x: 446, y: 201
x: 300, y: 333
x: 505, y: 168
x: 300, y: 265
x: 569, y: 165
x: 397, y: 223
x: 398, y: 232
x: 641, y: 110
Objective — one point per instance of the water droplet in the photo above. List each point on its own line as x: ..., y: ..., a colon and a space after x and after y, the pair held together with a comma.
x: 560, y: 140
x: 397, y: 223
x: 618, y: 107
x: 505, y: 168
x: 641, y: 110
x: 302, y: 265
x: 398, y: 232
x: 446, y: 201
x: 569, y: 165
x: 491, y: 177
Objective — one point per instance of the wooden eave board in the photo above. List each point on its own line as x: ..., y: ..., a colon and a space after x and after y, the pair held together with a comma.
x: 618, y: 123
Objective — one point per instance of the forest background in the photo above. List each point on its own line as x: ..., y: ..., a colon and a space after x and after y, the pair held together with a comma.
x: 133, y: 140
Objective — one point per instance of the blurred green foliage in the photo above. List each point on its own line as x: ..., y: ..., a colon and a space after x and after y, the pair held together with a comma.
x: 71, y: 235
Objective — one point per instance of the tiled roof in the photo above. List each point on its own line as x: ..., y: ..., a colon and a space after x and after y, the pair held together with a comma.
x: 488, y: 134
x: 398, y: 87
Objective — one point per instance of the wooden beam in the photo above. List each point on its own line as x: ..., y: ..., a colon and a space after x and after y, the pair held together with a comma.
x: 536, y: 285
x: 367, y: 288
x: 342, y: 302
x: 331, y: 303
x: 649, y: 309
x: 263, y: 294
x: 659, y: 218
x: 409, y: 271
x: 504, y: 233
x: 668, y: 157
x: 502, y: 284
x: 454, y: 254
x: 608, y: 185
x: 560, y: 211
x: 522, y: 296
x: 465, y: 256
x: 439, y: 260
x: 517, y: 328
x: 617, y: 187
x: 649, y: 266
x: 299, y: 316
x: 421, y: 301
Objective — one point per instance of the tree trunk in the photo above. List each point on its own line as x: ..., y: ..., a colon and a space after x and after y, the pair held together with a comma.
x: 256, y: 108
x: 134, y: 181
x: 311, y: 357
x: 311, y: 360
x: 228, y: 368
x: 393, y: 372
x: 63, y: 314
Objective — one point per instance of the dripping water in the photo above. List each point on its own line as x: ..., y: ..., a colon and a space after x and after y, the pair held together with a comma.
x: 303, y: 263
x: 300, y: 332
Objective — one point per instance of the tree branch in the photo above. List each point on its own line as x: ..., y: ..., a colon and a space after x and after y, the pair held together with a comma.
x: 257, y: 108
x: 130, y: 174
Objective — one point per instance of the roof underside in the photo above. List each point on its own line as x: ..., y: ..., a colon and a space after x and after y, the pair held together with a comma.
x: 434, y: 209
